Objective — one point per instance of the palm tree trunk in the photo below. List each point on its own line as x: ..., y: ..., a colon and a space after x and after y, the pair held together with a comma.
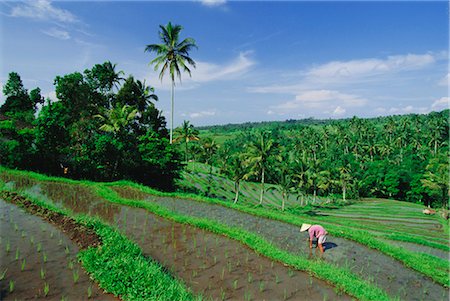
x: 172, y: 107
x: 236, y: 187
x: 262, y: 187
x: 343, y: 192
x: 186, y: 154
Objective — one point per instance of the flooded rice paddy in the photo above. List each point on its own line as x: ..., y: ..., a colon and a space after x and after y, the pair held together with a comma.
x: 386, y: 272
x: 38, y: 261
x: 213, y: 265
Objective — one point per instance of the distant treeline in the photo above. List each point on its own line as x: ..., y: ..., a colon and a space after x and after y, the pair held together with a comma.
x: 103, y: 127
x: 400, y: 157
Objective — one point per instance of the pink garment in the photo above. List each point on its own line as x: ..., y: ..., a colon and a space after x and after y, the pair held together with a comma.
x: 316, y: 231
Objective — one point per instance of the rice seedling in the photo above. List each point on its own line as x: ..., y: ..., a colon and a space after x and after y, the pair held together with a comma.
x: 60, y: 242
x: 39, y: 247
x: 63, y: 298
x: 271, y: 264
x: 222, y: 274
x: 290, y: 273
x: 277, y: 279
x: 23, y: 234
x: 75, y: 276
x: 285, y: 294
x: 44, y: 257
x: 16, y: 227
x: 8, y: 247
x: 247, y: 296
x: 194, y: 273
x: 261, y: 286
x: 42, y: 273
x: 325, y: 297
x: 66, y: 250
x: 3, y: 274
x: 222, y: 294
x: 70, y: 265
x: 17, y: 254
x: 22, y: 266
x: 215, y: 259
x: 46, y: 289
x: 11, y: 286
x: 51, y: 234
x: 89, y: 291
x: 235, y: 284
x: 229, y: 266
x: 249, y: 277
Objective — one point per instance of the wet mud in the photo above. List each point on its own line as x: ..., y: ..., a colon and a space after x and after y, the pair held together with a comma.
x: 376, y: 267
x: 210, y: 264
x: 38, y: 260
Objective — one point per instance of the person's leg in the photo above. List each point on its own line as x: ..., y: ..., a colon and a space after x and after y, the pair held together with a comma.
x: 320, y: 242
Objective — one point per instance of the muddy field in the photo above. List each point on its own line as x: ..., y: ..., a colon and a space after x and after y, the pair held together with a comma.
x: 210, y: 264
x: 386, y: 272
x: 38, y: 261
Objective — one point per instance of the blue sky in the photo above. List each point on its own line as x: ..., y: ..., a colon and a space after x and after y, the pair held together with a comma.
x: 256, y: 61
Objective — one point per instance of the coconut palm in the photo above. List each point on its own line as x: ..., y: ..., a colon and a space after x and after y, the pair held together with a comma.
x: 116, y: 119
x: 186, y: 133
x: 285, y: 183
x: 258, y: 154
x: 172, y: 55
x: 237, y: 171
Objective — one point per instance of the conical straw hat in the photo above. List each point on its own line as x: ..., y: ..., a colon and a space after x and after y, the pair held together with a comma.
x: 305, y: 227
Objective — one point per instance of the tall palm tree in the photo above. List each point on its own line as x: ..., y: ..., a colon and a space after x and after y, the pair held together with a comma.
x: 237, y: 171
x: 113, y: 76
x: 186, y: 133
x: 259, y: 152
x: 172, y: 55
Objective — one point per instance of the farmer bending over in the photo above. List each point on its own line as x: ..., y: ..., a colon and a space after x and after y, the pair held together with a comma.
x: 315, y: 231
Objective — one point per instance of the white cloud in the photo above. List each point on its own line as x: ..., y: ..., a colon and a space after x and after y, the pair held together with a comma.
x: 321, y: 99
x: 444, y: 81
x: 336, y: 74
x: 440, y: 104
x: 51, y: 95
x: 339, y: 111
x: 57, y: 33
x: 213, y: 2
x: 207, y: 72
x: 42, y: 10
x: 338, y: 70
x: 200, y: 114
x: 408, y: 110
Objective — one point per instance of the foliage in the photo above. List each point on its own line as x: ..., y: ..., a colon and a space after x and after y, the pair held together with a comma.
x: 98, y: 129
x: 173, y: 55
x: 387, y: 157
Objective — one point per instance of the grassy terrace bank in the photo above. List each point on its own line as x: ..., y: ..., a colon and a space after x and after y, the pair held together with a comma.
x: 118, y: 265
x: 343, y: 279
x: 433, y: 267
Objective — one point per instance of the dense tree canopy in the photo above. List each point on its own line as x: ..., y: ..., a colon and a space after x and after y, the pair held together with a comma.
x: 399, y: 157
x: 99, y: 129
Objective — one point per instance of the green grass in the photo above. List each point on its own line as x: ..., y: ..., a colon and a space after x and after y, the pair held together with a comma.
x: 119, y: 265
x: 342, y: 278
x: 435, y: 268
x: 431, y: 266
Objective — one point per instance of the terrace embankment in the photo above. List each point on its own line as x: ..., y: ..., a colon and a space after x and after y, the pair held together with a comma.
x: 211, y: 264
x: 39, y: 258
x: 386, y: 272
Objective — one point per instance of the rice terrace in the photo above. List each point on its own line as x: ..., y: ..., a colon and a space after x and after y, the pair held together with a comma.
x: 249, y: 150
